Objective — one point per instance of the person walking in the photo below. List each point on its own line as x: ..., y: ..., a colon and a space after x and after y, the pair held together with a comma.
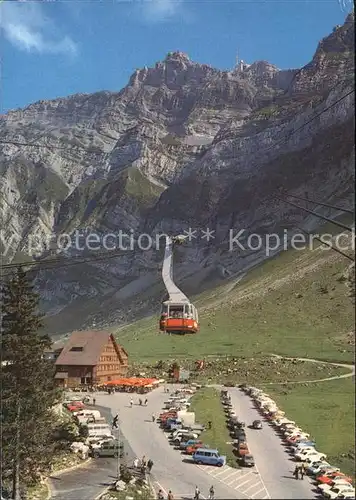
x: 296, y: 472
x: 131, y: 402
x: 196, y: 493
x: 94, y: 401
x: 153, y: 417
x: 170, y: 495
x: 149, y: 465
x: 160, y: 495
x: 146, y: 401
x: 115, y: 421
x: 302, y: 471
x: 211, y: 493
x: 136, y: 463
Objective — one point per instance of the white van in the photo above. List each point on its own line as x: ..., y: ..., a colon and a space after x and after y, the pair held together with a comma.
x: 98, y: 429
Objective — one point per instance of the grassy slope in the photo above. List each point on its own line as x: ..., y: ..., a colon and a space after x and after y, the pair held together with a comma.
x: 326, y: 410
x: 207, y: 407
x: 262, y: 314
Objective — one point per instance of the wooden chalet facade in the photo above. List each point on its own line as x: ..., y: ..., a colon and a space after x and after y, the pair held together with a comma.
x: 90, y: 358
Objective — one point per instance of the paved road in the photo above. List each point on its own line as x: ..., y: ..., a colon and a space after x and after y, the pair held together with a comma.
x: 274, y: 465
x: 271, y: 478
x: 86, y: 482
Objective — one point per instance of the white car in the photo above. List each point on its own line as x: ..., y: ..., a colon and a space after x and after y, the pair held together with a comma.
x: 298, y: 434
x: 335, y: 484
x: 94, y: 439
x: 302, y: 451
x: 337, y: 490
x: 310, y: 455
x: 98, y: 444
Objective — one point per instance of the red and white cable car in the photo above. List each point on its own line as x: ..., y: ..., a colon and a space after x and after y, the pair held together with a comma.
x: 178, y: 315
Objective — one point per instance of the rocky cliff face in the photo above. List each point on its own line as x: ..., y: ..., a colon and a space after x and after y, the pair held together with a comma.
x: 182, y: 145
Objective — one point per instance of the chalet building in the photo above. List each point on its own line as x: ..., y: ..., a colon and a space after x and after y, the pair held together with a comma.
x: 90, y: 358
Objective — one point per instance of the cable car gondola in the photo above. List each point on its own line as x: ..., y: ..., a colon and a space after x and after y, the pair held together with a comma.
x: 178, y: 315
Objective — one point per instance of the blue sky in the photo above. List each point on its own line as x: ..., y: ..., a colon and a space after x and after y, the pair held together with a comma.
x: 56, y: 48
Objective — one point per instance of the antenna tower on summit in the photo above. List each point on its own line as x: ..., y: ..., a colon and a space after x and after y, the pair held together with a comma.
x: 237, y: 60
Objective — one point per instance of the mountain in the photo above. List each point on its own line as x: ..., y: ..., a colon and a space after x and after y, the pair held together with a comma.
x: 183, y: 145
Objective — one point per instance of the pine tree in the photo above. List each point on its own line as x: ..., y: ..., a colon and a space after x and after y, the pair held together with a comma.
x: 27, y: 385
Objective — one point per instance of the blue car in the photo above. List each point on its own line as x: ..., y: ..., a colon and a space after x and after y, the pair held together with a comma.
x: 207, y: 456
x: 317, y: 467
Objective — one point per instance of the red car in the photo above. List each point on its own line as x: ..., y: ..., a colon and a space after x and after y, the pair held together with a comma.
x: 329, y: 478
x: 75, y: 406
x: 190, y: 450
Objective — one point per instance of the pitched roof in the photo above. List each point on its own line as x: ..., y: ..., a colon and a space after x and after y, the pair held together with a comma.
x: 89, y: 346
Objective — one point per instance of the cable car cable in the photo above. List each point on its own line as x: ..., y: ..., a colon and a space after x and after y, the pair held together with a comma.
x: 346, y: 210
x: 340, y: 224
x: 330, y: 245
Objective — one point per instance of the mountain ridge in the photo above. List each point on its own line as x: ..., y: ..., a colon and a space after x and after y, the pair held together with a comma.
x: 182, y: 145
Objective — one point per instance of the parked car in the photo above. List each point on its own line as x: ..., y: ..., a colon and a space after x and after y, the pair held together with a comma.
x: 329, y: 477
x: 190, y: 442
x: 206, y: 456
x: 242, y: 449
x: 184, y: 438
x: 257, y: 424
x: 337, y: 482
x: 109, y: 449
x: 247, y: 460
x: 191, y: 449
x: 339, y: 490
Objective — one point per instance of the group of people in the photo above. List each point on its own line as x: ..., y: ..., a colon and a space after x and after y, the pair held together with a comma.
x: 300, y: 470
x: 197, y: 494
x: 144, y: 465
x: 140, y: 402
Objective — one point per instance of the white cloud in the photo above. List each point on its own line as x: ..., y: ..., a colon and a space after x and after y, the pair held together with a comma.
x: 25, y: 26
x: 161, y: 10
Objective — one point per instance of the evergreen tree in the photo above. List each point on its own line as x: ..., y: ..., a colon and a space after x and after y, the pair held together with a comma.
x: 27, y: 385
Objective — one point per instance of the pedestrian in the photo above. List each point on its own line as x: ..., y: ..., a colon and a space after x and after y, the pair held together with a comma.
x: 149, y: 465
x: 196, y: 493
x: 170, y: 495
x: 140, y: 402
x: 131, y: 402
x: 136, y: 463
x: 160, y: 495
x: 146, y: 401
x: 115, y: 421
x: 211, y: 493
x: 209, y: 424
x: 153, y: 417
x: 143, y: 461
x: 94, y: 401
x: 302, y: 471
x: 296, y: 472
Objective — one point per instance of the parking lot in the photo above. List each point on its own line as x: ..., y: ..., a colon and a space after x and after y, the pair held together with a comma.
x: 272, y: 477
x: 248, y: 483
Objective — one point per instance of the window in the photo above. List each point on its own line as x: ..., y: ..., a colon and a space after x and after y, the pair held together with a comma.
x: 76, y: 349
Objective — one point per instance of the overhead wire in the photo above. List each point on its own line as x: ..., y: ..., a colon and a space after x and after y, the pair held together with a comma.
x: 330, y: 245
x: 332, y: 221
x: 346, y: 210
